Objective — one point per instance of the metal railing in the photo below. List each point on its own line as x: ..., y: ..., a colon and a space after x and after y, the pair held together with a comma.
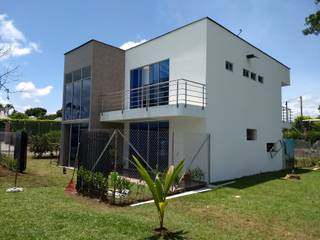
x: 286, y: 115
x: 174, y: 92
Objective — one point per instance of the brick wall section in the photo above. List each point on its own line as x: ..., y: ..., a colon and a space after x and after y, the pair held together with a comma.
x: 107, y: 76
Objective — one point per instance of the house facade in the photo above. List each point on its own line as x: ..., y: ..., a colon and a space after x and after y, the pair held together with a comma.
x: 198, y: 79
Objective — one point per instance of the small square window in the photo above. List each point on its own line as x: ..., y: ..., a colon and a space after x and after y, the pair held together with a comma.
x: 253, y: 76
x: 229, y: 66
x: 245, y: 73
x: 270, y: 147
x: 251, y: 134
x: 260, y: 79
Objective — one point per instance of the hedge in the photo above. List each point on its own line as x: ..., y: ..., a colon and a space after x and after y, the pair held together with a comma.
x: 31, y: 127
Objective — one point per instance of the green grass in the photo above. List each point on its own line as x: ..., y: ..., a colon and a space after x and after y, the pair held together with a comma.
x: 268, y: 208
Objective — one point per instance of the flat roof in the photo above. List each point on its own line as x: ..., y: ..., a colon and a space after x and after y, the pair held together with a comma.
x: 208, y: 18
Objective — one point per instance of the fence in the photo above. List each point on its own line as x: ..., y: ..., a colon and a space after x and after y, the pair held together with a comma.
x: 13, y: 150
x: 304, y: 153
x: 105, y: 162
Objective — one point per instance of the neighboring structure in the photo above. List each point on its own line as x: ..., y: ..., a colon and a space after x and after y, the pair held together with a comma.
x: 200, y: 78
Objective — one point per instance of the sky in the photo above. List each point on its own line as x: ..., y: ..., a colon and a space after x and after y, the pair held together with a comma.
x: 39, y: 33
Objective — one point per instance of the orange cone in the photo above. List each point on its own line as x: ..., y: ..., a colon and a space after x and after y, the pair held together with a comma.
x: 71, y: 188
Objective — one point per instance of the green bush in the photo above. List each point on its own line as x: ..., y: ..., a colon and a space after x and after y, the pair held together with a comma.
x: 313, y: 136
x: 118, y: 185
x: 45, y: 143
x: 8, y: 162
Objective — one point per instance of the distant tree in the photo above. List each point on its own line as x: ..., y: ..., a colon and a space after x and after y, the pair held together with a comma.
x: 59, y: 112
x: 7, y: 108
x: 298, y: 123
x: 1, y: 108
x: 37, y: 112
x: 18, y: 115
x: 312, y: 22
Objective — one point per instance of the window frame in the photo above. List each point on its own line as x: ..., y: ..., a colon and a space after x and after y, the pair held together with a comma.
x: 253, y: 76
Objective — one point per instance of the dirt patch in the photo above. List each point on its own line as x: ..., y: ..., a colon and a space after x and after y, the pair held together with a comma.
x: 4, y: 172
x: 230, y: 220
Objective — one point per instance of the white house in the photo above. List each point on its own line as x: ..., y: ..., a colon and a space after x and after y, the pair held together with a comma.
x: 198, y: 80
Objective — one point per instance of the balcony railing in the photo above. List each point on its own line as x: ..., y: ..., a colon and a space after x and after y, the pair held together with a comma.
x: 286, y: 115
x: 175, y: 92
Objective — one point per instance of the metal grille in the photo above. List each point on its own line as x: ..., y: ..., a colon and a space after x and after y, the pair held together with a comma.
x: 107, y: 152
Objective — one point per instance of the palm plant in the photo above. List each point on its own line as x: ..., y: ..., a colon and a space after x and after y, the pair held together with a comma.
x: 160, y: 186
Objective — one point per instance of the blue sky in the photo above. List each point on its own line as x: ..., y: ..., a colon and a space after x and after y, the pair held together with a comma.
x: 41, y: 31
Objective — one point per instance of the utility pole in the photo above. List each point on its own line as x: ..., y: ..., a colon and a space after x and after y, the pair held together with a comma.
x: 301, y: 112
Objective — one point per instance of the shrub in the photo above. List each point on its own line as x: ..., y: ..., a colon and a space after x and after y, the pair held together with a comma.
x: 8, y: 162
x: 39, y: 145
x: 45, y: 143
x: 118, y: 185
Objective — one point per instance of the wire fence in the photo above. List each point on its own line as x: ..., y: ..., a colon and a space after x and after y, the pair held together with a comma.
x: 302, y: 153
x: 13, y: 150
x: 106, y: 170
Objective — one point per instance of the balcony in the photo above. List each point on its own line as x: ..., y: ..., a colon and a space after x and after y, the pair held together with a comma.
x: 286, y: 117
x: 175, y: 98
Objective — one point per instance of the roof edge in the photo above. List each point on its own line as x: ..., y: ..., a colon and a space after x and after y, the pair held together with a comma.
x: 91, y: 40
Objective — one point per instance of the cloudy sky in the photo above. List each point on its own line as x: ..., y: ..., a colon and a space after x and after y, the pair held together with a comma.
x: 39, y: 32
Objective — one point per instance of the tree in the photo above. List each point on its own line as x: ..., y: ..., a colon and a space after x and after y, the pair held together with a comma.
x: 7, y: 75
x: 37, y: 112
x: 160, y: 186
x: 59, y: 112
x: 7, y: 108
x: 18, y: 115
x: 313, y: 22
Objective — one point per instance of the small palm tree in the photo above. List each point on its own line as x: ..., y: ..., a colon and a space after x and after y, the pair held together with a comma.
x: 159, y: 187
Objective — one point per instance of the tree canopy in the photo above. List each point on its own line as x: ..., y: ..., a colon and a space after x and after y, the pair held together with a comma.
x: 312, y: 22
x: 37, y: 112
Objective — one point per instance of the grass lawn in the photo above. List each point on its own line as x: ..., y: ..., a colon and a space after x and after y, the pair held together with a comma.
x: 268, y: 208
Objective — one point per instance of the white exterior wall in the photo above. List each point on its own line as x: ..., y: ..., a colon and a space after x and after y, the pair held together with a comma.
x: 234, y: 103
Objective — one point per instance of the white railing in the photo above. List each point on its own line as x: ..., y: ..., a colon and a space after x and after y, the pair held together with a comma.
x: 175, y: 92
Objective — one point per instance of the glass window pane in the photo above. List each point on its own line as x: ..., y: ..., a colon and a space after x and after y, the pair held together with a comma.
x: 86, y: 72
x: 154, y: 79
x: 76, y: 99
x: 164, y: 86
x: 85, y: 98
x: 135, y: 83
x: 68, y: 100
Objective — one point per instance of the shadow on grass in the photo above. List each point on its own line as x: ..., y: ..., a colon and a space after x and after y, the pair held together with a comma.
x: 253, y: 180
x: 177, y: 235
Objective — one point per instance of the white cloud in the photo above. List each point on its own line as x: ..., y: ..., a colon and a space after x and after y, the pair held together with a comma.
x: 310, y: 106
x: 13, y: 39
x: 131, y: 44
x: 30, y: 91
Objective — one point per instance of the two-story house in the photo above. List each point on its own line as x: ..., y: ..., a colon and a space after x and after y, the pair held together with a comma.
x: 200, y: 78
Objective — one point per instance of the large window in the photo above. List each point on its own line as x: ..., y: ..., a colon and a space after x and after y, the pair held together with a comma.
x: 151, y: 140
x: 149, y: 85
x: 77, y: 94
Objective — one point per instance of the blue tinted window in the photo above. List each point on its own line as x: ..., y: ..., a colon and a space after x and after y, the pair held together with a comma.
x: 156, y: 91
x: 85, y: 98
x: 76, y: 99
